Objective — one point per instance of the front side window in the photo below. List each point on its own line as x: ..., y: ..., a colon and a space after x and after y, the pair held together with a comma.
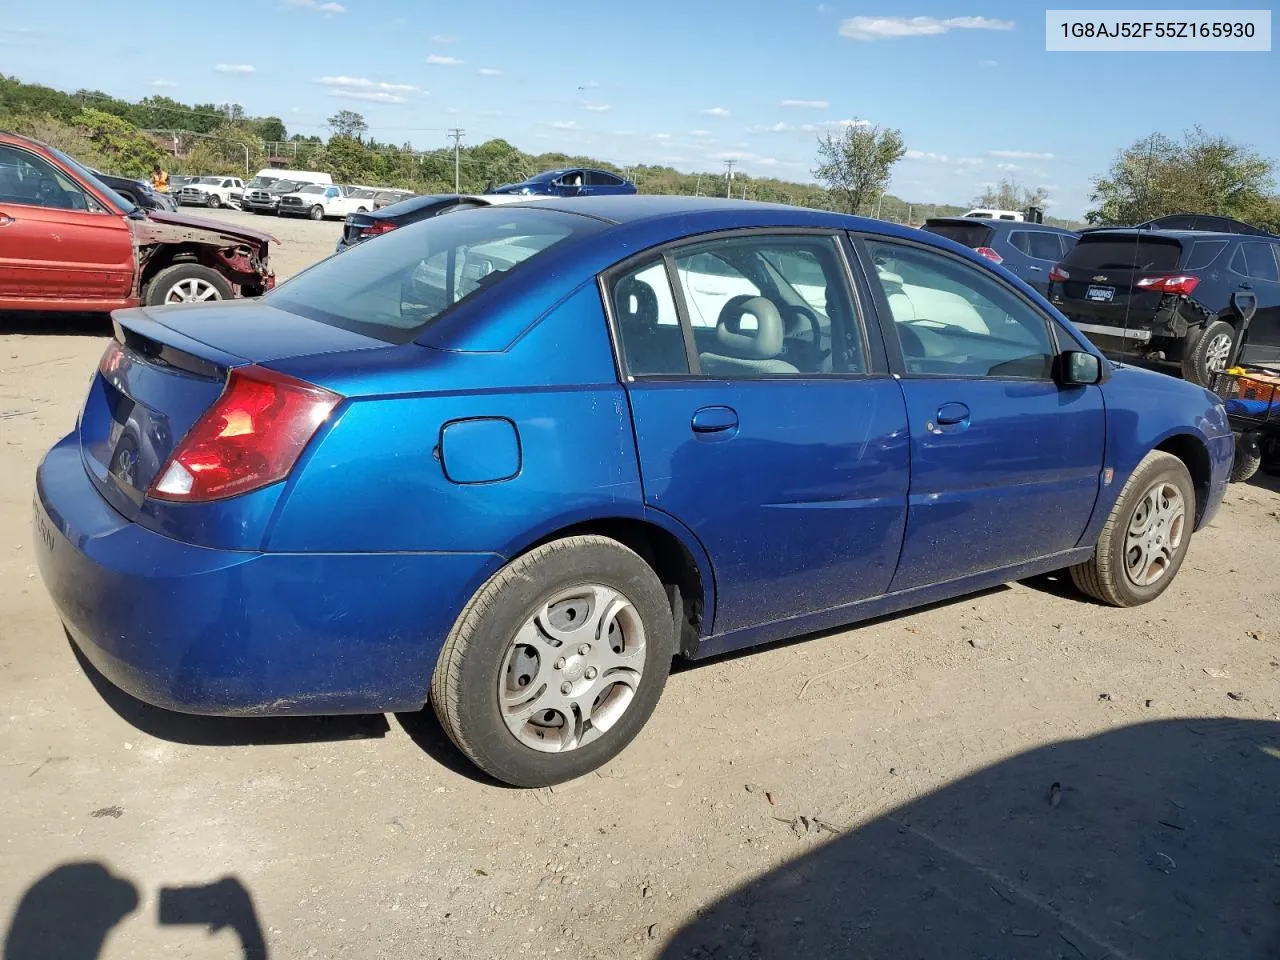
x: 954, y: 320
x: 763, y: 306
x: 31, y: 180
x: 394, y: 288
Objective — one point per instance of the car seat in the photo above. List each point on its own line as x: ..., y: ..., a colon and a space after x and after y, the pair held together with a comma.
x: 746, y: 349
x: 648, y: 346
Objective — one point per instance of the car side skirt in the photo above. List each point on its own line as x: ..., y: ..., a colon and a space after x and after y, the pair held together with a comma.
x: 885, y: 605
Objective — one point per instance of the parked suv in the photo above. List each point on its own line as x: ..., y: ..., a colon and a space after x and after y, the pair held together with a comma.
x: 1028, y: 250
x: 1176, y: 296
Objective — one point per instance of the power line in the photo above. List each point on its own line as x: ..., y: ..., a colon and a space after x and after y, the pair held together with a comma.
x: 728, y: 180
x: 456, y: 133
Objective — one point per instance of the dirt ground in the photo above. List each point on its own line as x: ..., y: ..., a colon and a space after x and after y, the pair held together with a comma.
x: 1019, y: 774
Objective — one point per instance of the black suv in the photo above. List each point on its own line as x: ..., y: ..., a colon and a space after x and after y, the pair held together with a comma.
x: 1027, y: 250
x: 1176, y: 296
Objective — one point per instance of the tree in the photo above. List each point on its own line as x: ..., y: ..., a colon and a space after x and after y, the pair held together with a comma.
x: 1008, y: 194
x: 856, y: 162
x: 1158, y: 176
x: 270, y: 129
x: 348, y: 123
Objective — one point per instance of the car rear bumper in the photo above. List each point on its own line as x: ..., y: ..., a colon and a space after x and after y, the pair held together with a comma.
x: 238, y: 633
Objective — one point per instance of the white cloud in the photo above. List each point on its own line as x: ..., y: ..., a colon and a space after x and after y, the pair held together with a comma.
x: 563, y: 125
x: 234, y: 68
x: 372, y: 96
x: 590, y: 85
x: 825, y: 8
x: 1021, y: 154
x: 317, y: 6
x: 489, y: 72
x: 1009, y: 166
x: 715, y: 112
x: 778, y: 127
x: 988, y: 63
x: 699, y: 133
x: 837, y: 123
x: 662, y: 136
x: 1049, y: 186
x: 595, y: 107
x: 364, y: 83
x: 928, y: 156
x: 440, y: 61
x: 452, y: 111
x: 894, y: 28
x: 163, y: 83
x: 442, y: 38
x: 807, y: 104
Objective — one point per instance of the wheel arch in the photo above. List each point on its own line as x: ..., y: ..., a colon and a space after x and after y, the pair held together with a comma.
x: 1194, y: 454
x: 669, y: 548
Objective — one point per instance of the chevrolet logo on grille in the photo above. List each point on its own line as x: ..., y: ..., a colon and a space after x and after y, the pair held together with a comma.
x: 1098, y: 279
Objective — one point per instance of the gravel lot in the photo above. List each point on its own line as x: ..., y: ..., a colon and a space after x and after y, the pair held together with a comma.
x: 1018, y: 774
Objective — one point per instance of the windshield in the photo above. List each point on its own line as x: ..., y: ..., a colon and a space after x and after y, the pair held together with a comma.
x: 212, y: 180
x: 284, y: 186
x: 312, y: 188
x: 261, y: 182
x: 88, y: 175
x: 394, y: 288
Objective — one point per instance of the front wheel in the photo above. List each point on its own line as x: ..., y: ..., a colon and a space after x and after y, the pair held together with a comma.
x: 317, y: 212
x: 556, y: 662
x: 213, y: 202
x: 1146, y: 536
x: 186, y: 283
x: 1208, y: 354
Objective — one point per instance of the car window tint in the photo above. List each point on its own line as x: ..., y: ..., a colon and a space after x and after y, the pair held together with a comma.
x: 1260, y: 260
x: 1018, y: 239
x: 954, y: 320
x: 31, y: 180
x: 1067, y: 242
x: 394, y: 288
x: 1203, y: 253
x: 648, y: 325
x: 1045, y: 246
x: 770, y: 306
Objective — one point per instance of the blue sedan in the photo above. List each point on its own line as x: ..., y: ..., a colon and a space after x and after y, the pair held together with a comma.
x: 574, y: 182
x: 514, y: 460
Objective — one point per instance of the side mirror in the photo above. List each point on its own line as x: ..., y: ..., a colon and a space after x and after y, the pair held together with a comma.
x: 1076, y: 368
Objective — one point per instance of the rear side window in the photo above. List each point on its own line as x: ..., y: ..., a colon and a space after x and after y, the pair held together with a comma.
x: 1045, y: 245
x: 1136, y: 252
x: 972, y: 235
x: 394, y: 288
x: 1260, y: 260
x: 1203, y: 253
x: 598, y: 178
x: 1020, y: 241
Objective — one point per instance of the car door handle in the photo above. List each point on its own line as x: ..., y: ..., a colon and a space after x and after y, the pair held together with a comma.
x: 1246, y: 286
x: 1036, y: 269
x: 952, y: 414
x: 714, y: 420
x: 5, y: 220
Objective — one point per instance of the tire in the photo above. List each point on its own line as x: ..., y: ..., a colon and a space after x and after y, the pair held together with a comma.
x: 198, y: 283
x: 361, y: 210
x: 1107, y: 576
x: 480, y: 658
x: 1245, y: 466
x: 213, y: 202
x: 316, y: 212
x: 1271, y: 456
x: 1208, y: 354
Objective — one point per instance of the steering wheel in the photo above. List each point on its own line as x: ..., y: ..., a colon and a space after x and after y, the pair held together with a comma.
x: 810, y: 315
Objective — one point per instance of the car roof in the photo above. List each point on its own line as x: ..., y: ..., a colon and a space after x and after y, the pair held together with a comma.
x: 632, y: 208
x: 1007, y: 224
x: 1173, y: 234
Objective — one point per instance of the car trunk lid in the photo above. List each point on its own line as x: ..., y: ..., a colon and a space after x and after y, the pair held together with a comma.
x: 1103, y: 273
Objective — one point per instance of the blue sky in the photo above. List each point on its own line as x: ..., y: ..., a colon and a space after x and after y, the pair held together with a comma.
x: 689, y: 83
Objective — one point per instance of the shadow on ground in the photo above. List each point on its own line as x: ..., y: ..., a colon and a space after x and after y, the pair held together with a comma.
x: 55, y: 324
x: 1158, y: 841
x: 69, y: 913
x: 228, y: 731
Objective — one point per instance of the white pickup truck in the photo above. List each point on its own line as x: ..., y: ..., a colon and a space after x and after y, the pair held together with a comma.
x: 212, y: 192
x: 319, y: 202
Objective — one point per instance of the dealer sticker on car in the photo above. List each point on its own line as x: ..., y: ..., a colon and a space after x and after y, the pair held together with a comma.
x: 1104, y: 294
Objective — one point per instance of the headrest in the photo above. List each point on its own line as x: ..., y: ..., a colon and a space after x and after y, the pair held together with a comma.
x: 636, y: 303
x: 762, y: 343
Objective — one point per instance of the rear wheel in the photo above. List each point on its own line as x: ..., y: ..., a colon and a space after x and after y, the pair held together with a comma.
x: 316, y: 212
x: 556, y: 663
x: 187, y: 283
x: 1146, y: 536
x: 1270, y: 448
x: 1245, y: 466
x: 1209, y: 353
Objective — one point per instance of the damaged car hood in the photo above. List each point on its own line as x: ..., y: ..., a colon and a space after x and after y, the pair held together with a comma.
x: 164, y: 226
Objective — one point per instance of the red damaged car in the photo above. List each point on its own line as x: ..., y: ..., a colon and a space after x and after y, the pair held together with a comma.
x: 69, y: 242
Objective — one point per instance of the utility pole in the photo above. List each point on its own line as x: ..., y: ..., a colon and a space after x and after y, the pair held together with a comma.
x: 456, y: 133
x: 728, y: 183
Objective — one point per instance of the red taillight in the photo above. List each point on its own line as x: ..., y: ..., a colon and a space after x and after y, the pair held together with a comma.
x: 377, y: 228
x: 112, y: 358
x: 989, y: 254
x: 251, y: 437
x: 1181, y: 286
x: 1057, y: 274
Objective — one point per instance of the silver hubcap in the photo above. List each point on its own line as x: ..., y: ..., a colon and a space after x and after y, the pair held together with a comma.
x: 572, y: 670
x: 1217, y: 353
x: 194, y: 290
x: 1154, y: 534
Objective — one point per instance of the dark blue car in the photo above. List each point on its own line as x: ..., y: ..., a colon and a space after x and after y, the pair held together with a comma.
x: 573, y: 182
x: 1027, y: 250
x: 515, y: 459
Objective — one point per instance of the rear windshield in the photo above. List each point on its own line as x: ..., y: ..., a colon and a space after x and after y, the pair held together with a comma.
x: 972, y: 235
x: 1125, y: 252
x: 393, y: 288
